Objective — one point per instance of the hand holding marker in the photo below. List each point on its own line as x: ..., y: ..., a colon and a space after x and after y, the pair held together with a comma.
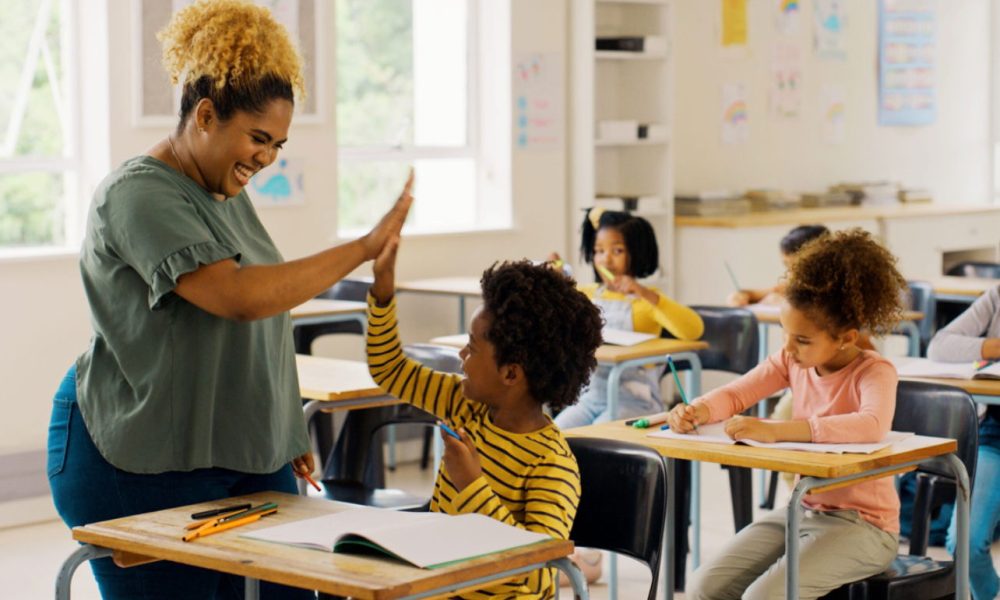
x: 449, y: 430
x: 680, y: 388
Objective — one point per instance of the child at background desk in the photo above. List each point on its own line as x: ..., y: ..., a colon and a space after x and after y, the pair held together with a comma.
x: 531, y: 343
x: 837, y: 286
x: 790, y: 244
x: 622, y: 248
x: 975, y: 335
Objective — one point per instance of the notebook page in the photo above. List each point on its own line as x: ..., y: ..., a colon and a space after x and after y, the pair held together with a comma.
x: 715, y: 433
x: 620, y: 337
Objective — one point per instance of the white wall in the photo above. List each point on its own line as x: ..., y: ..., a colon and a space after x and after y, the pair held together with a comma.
x: 43, y: 314
x: 950, y: 157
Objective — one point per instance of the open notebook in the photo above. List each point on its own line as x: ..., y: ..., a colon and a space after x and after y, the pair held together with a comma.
x: 425, y: 540
x: 922, y: 367
x: 716, y: 433
x: 621, y: 337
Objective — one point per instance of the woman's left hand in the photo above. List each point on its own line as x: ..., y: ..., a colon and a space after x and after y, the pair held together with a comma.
x: 303, y: 464
x: 751, y: 428
x: 461, y: 459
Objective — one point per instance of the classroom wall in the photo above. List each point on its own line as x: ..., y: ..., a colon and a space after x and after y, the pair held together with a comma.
x: 951, y: 157
x: 43, y: 314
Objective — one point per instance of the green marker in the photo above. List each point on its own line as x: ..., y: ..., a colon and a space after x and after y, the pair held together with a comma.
x: 605, y: 272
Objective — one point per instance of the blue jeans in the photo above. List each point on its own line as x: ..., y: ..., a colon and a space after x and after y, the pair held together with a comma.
x: 86, y: 488
x: 984, y: 514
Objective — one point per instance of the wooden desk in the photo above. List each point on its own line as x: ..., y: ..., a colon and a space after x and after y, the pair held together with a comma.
x: 157, y: 536
x: 324, y: 310
x: 983, y: 391
x: 961, y: 289
x: 446, y: 286
x: 819, y: 472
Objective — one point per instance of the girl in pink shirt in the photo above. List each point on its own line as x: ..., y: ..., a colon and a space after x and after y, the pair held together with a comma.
x: 837, y: 285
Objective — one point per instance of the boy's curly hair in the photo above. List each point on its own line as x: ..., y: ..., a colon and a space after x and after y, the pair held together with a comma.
x: 232, y: 52
x: 847, y: 280
x: 539, y: 320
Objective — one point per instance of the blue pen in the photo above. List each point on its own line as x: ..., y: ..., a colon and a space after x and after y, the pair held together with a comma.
x: 677, y: 382
x: 449, y: 431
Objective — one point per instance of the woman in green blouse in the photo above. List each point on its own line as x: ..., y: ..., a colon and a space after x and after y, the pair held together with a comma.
x: 188, y: 390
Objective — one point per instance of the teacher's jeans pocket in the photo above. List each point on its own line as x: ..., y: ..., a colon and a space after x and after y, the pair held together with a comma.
x: 59, y: 425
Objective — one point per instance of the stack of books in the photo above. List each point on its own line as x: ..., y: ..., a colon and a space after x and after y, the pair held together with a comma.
x: 761, y: 200
x: 823, y: 199
x: 711, y: 204
x: 870, y: 192
x: 915, y: 195
x: 629, y: 202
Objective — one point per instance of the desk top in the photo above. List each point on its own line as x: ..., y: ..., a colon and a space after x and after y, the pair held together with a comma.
x: 325, y: 307
x: 831, y: 213
x: 769, y: 314
x: 963, y: 286
x: 333, y: 380
x: 976, y: 387
x: 157, y: 535
x: 451, y: 286
x: 811, y: 464
x: 606, y: 353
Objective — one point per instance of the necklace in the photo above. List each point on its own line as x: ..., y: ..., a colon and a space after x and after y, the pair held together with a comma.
x: 174, y: 153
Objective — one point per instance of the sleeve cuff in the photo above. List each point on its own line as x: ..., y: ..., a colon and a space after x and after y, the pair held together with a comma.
x: 185, y: 260
x: 380, y: 311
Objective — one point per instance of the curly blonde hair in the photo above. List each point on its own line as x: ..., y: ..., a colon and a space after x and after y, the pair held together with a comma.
x: 232, y: 52
x: 847, y: 280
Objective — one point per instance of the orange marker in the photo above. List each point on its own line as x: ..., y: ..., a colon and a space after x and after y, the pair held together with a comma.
x: 308, y: 477
x: 227, y: 525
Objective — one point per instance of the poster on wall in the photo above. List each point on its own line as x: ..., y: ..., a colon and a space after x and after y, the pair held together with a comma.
x: 733, y: 34
x: 787, y: 14
x: 282, y: 183
x: 833, y: 108
x: 537, y: 102
x: 735, y: 122
x: 906, y: 49
x: 829, y: 22
x: 786, y: 80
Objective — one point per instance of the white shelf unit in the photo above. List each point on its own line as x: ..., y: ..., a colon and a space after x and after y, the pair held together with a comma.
x: 611, y: 85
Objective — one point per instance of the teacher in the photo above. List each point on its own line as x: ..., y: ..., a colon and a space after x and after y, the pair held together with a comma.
x: 188, y: 391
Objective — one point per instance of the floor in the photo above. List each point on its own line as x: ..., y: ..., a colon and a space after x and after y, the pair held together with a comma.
x: 30, y: 556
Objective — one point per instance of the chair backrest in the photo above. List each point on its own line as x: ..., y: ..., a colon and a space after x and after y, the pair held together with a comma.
x: 972, y: 268
x: 920, y: 296
x: 348, y: 289
x: 439, y: 358
x: 345, y: 289
x: 941, y: 411
x: 623, y: 500
x: 733, y: 339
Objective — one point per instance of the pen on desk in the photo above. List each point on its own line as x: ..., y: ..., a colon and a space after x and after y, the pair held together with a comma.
x: 215, y: 519
x: 218, y: 511
x: 979, y: 365
x: 649, y: 421
x: 732, y: 276
x: 225, y: 525
x: 449, y: 431
x: 680, y: 388
x: 230, y: 516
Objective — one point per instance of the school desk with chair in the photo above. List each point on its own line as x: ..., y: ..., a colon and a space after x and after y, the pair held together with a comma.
x: 819, y: 472
x: 141, y: 539
x: 983, y: 391
x: 460, y: 287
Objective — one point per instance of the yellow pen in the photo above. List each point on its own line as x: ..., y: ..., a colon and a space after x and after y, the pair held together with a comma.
x: 202, y: 532
x: 605, y: 273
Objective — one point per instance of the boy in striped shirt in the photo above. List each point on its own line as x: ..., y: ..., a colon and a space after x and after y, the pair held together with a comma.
x: 531, y: 343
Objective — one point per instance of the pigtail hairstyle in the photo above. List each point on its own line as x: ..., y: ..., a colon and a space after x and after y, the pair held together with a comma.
x: 640, y: 239
x: 847, y: 280
x: 232, y: 52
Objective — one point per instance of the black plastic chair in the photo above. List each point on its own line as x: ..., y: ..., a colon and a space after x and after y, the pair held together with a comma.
x: 623, y: 501
x: 972, y: 268
x: 921, y: 299
x: 355, y: 472
x: 935, y: 410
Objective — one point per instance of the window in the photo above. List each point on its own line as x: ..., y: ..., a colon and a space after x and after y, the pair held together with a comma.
x: 408, y: 83
x: 39, y: 160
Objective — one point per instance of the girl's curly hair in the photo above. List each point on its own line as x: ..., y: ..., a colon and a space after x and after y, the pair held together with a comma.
x: 847, y: 280
x: 539, y: 320
x: 232, y: 52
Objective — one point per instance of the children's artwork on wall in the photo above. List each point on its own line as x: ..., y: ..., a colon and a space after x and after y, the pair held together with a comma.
x: 786, y: 80
x: 833, y: 109
x: 538, y: 119
x: 157, y: 102
x: 787, y: 14
x: 906, y: 49
x: 734, y: 35
x: 280, y: 184
x: 829, y: 23
x: 735, y: 118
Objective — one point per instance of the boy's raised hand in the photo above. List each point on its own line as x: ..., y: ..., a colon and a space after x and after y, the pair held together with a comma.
x: 461, y: 459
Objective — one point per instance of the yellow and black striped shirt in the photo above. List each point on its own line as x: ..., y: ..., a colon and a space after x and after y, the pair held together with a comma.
x: 529, y: 480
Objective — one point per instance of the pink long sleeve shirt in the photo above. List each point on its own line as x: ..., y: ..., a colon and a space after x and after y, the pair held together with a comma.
x: 853, y: 405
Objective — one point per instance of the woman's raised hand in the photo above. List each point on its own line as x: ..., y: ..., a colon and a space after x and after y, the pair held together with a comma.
x: 391, y: 224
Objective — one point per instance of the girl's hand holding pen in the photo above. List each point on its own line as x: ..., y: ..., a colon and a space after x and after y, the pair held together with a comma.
x: 461, y: 459
x: 684, y: 418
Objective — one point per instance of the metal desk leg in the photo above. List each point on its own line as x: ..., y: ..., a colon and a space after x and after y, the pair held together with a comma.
x: 64, y: 580
x: 252, y: 589
x: 961, y: 528
x: 614, y: 377
x: 794, y: 519
x: 669, y: 550
x: 693, y: 380
x: 575, y: 577
x: 912, y: 333
x: 762, y: 344
x: 461, y: 313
